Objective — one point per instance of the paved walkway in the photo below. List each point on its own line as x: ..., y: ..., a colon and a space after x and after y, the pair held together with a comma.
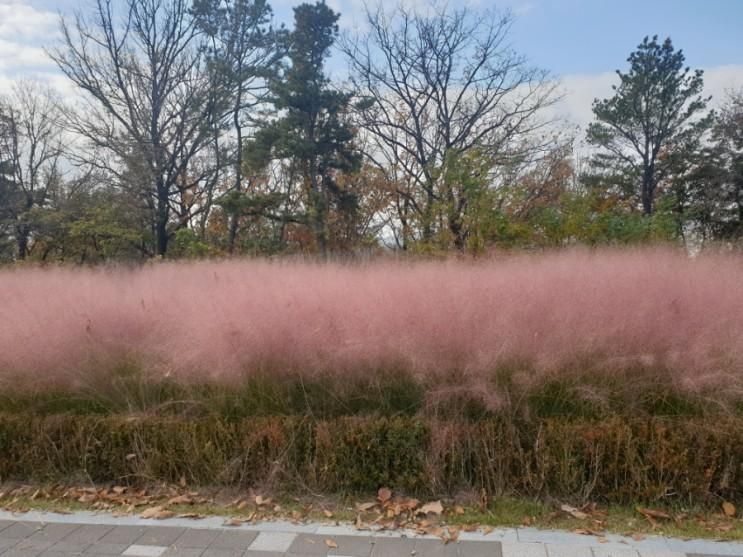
x: 82, y: 534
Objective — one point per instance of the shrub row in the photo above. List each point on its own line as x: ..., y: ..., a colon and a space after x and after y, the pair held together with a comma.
x: 615, y: 460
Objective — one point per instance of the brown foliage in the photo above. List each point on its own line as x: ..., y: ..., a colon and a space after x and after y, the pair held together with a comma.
x: 615, y: 460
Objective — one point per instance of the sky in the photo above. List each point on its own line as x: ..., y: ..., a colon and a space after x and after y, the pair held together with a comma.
x: 580, y: 42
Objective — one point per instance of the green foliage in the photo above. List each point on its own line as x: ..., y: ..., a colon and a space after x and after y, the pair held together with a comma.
x: 187, y: 244
x: 657, y: 110
x: 615, y: 460
x: 311, y: 129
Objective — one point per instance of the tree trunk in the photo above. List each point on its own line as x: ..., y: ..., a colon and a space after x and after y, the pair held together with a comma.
x: 22, y: 241
x: 235, y: 218
x: 161, y: 219
x: 647, y: 192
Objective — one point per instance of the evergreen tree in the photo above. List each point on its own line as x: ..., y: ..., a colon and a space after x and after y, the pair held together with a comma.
x: 655, y: 116
x: 311, y: 129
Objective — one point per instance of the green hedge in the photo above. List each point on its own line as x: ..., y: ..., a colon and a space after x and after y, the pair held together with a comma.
x: 616, y: 460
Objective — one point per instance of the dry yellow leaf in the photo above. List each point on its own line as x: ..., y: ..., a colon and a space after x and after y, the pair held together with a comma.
x: 384, y: 494
x: 158, y: 512
x: 434, y: 507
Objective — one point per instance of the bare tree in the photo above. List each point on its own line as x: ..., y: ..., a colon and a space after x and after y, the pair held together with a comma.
x: 151, y: 109
x: 30, y: 152
x: 439, y: 84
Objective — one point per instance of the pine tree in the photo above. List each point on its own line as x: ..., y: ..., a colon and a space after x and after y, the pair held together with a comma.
x: 656, y: 111
x: 311, y: 128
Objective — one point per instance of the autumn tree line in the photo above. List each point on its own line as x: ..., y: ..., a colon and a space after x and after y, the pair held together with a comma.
x: 202, y: 128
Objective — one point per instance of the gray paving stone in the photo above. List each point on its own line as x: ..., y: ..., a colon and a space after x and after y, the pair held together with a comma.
x: 264, y: 554
x: 33, y: 545
x: 107, y: 548
x: 5, y: 523
x: 554, y: 537
x: 71, y: 548
x: 20, y: 553
x: 160, y: 535
x: 233, y: 540
x: 568, y: 550
x: 661, y: 553
x: 54, y: 532
x: 611, y: 551
x: 195, y: 538
x: 19, y: 530
x: 27, y: 548
x: 6, y: 544
x: 530, y: 549
x: 710, y: 555
x: 436, y: 548
x: 308, y: 544
x: 350, y: 546
x: 123, y: 534
x: 137, y: 550
x: 479, y: 549
x: 272, y: 541
x: 88, y: 533
x: 222, y: 553
x: 707, y: 548
x: 392, y: 547
x: 178, y: 551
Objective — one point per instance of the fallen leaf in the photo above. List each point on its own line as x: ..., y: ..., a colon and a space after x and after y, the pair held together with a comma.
x: 458, y: 510
x: 331, y: 544
x: 728, y: 508
x: 365, y: 507
x: 233, y: 522
x: 572, y: 511
x: 260, y: 500
x: 158, y: 512
x: 180, y: 500
x: 384, y: 494
x: 434, y: 507
x: 328, y: 514
x: 653, y: 513
x: 638, y: 537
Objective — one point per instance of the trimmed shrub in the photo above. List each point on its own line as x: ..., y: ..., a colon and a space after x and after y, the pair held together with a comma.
x: 618, y: 460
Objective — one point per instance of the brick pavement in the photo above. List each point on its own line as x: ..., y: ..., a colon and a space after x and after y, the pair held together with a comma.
x: 99, y: 535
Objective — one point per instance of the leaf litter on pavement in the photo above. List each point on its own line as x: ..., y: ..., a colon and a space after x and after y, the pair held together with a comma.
x: 387, y: 511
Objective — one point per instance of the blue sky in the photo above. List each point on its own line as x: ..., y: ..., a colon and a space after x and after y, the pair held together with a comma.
x: 580, y: 41
x: 593, y: 36
x: 584, y: 36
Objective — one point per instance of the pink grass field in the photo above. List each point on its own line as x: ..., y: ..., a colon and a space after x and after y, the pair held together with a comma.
x: 538, y: 315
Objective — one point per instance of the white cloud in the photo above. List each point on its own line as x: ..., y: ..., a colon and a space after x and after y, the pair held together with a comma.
x: 23, y: 29
x: 580, y: 91
x: 21, y: 57
x: 19, y: 22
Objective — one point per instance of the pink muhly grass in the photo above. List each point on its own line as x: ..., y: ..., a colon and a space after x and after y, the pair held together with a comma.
x: 594, y: 315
